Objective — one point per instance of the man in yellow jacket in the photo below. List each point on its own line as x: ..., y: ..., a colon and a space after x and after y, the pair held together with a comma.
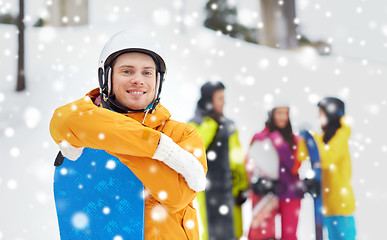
x: 124, y: 118
x: 220, y: 205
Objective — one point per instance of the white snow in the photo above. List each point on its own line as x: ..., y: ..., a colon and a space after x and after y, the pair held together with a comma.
x: 61, y: 67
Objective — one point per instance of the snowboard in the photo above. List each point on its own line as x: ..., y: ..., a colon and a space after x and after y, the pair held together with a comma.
x: 316, y: 167
x: 265, y: 163
x: 98, y: 197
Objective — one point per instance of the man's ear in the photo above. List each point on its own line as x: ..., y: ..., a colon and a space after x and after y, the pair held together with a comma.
x: 109, y: 78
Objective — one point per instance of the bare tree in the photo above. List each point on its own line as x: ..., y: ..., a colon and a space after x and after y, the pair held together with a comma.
x: 20, y: 86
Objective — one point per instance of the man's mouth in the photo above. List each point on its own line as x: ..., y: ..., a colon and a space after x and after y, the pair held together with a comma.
x: 136, y: 92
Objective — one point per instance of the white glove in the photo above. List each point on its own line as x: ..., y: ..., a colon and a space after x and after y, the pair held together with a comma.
x: 69, y: 151
x: 182, y: 162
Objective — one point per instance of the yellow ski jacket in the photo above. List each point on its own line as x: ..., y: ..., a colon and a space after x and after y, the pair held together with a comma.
x: 83, y: 124
x: 337, y: 193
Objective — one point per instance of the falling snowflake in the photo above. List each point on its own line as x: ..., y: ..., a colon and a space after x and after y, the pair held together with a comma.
x: 106, y: 210
x: 283, y: 61
x: 101, y: 136
x: 198, y: 152
x: 163, y: 195
x: 383, y: 29
x: 41, y: 197
x: 268, y: 98
x: 63, y: 171
x: 14, y: 152
x: 159, y: 213
x: 80, y: 220
x: 111, y: 164
x: 250, y: 80
x: 12, y: 184
x: 263, y: 63
x: 161, y: 17
x: 211, y: 155
x: 47, y: 34
x: 32, y: 117
x: 247, y: 17
x: 223, y: 209
x: 190, y: 224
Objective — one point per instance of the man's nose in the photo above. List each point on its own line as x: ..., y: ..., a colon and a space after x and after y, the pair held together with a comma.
x: 137, y: 79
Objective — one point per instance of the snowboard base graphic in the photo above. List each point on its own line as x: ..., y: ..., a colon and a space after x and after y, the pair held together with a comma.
x: 98, y: 197
x: 264, y: 159
x: 316, y: 167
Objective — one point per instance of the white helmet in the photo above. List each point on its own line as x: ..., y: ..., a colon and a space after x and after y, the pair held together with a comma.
x: 125, y: 42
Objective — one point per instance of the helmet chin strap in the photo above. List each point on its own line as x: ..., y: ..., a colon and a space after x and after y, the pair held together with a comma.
x: 114, y: 105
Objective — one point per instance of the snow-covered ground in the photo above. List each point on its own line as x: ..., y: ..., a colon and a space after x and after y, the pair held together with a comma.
x: 61, y: 66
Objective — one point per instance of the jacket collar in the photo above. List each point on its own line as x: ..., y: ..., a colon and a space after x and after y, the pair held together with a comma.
x: 152, y: 120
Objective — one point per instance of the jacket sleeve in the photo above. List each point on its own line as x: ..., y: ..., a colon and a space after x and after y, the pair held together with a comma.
x: 82, y: 124
x: 207, y: 130
x: 333, y: 151
x: 302, y: 150
x: 237, y: 165
x: 164, y: 184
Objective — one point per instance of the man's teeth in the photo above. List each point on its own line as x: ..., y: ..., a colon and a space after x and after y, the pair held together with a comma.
x: 131, y: 92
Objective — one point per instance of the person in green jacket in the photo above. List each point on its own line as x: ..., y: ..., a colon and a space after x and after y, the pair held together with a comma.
x: 337, y: 193
x: 226, y: 190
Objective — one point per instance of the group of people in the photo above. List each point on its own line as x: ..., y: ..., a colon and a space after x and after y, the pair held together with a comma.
x: 202, y: 161
x: 230, y: 176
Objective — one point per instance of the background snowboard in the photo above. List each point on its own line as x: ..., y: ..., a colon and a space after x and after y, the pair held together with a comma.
x: 316, y: 167
x: 264, y: 159
x: 98, y: 197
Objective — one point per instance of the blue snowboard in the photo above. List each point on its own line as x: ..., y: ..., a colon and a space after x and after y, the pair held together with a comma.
x: 316, y: 167
x: 98, y: 197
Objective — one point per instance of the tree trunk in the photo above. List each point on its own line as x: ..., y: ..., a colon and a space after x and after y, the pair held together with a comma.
x: 279, y: 29
x: 65, y: 13
x: 20, y: 66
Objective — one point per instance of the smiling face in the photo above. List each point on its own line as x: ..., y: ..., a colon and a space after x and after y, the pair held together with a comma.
x: 218, y: 101
x: 323, y: 118
x: 281, y: 117
x: 134, y: 80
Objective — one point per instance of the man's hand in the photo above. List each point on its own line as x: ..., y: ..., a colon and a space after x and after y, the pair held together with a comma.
x: 265, y: 185
x: 182, y: 161
x: 69, y: 151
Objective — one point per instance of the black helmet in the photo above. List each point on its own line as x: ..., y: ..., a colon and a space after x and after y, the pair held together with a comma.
x: 334, y: 108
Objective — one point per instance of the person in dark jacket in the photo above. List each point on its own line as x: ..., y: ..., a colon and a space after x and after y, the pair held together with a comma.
x: 220, y: 204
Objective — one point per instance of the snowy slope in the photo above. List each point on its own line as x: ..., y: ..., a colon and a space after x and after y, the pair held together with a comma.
x: 61, y: 66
